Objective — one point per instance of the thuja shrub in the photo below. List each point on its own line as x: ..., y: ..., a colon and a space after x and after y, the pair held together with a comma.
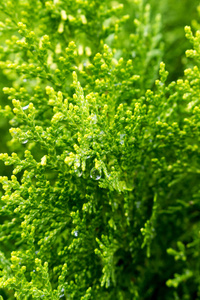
x: 101, y: 198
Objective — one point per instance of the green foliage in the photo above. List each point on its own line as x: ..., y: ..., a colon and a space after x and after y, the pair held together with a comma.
x: 101, y: 196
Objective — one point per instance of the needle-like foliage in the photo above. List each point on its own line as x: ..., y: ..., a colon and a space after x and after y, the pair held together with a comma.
x: 102, y: 196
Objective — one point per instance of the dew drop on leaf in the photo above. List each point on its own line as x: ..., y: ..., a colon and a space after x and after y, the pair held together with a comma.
x: 76, y: 233
x: 24, y: 142
x: 78, y: 172
x: 77, y: 168
x: 25, y: 107
x: 95, y: 174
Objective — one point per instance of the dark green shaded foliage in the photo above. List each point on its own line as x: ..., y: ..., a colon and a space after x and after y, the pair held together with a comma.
x: 100, y: 188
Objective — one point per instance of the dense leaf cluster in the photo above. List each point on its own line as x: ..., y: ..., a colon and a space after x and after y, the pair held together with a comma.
x: 101, y: 199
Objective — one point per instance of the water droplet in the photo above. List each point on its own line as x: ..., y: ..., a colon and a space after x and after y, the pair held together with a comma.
x: 78, y: 172
x: 24, y: 139
x: 138, y: 204
x: 25, y: 107
x: 33, y: 271
x: 93, y: 118
x: 122, y: 138
x: 95, y: 174
x: 24, y: 142
x: 115, y: 204
x: 77, y: 163
x: 76, y: 233
x: 62, y: 295
x: 14, y: 122
x: 77, y: 168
